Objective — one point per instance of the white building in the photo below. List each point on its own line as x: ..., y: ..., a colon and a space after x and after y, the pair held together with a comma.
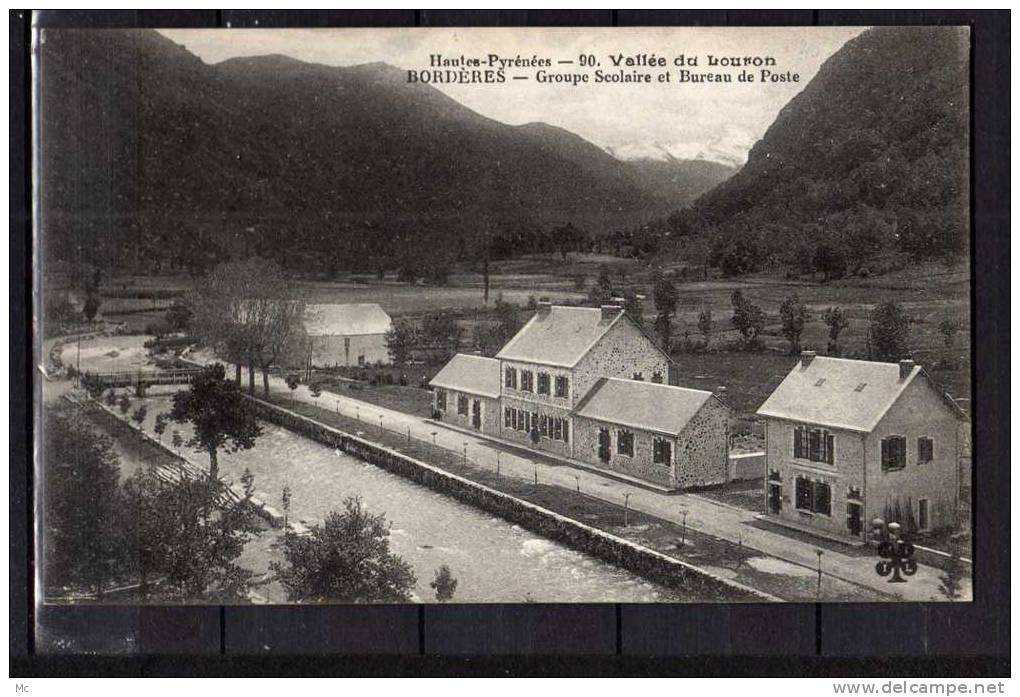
x: 347, y: 335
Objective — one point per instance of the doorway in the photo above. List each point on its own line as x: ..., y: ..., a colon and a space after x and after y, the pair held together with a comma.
x: 775, y: 498
x: 604, y: 444
x: 854, y: 518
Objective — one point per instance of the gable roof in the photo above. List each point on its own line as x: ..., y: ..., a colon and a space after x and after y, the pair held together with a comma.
x: 474, y: 374
x: 350, y: 319
x: 644, y: 405
x: 828, y: 391
x: 560, y: 336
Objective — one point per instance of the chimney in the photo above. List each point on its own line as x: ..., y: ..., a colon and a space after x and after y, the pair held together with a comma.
x: 906, y: 367
x: 618, y: 300
x: 806, y: 357
x: 544, y: 308
x: 610, y: 311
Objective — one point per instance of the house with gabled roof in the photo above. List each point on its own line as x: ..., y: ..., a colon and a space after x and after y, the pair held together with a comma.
x: 590, y: 384
x: 346, y: 334
x: 848, y: 441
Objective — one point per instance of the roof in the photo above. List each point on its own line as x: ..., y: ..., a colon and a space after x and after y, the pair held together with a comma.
x: 347, y: 319
x: 474, y: 374
x: 840, y: 393
x: 644, y: 405
x: 560, y: 336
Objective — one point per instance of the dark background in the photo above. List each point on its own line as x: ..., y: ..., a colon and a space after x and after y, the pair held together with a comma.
x: 959, y: 639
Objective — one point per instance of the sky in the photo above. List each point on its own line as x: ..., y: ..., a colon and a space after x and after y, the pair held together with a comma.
x: 709, y: 120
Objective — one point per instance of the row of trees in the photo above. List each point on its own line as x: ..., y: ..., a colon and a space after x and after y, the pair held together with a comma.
x: 251, y: 314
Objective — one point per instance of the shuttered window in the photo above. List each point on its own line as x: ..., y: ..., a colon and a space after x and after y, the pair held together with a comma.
x: 814, y: 496
x: 543, y: 383
x: 894, y: 453
x: 925, y: 450
x: 562, y: 386
x: 813, y: 444
x: 662, y: 451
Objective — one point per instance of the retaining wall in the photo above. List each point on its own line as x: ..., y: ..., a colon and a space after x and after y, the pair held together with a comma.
x: 690, y: 580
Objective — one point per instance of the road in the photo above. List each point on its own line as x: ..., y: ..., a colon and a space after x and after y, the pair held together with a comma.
x: 703, y: 514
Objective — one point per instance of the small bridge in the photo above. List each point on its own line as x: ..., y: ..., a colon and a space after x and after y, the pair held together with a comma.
x: 141, y: 379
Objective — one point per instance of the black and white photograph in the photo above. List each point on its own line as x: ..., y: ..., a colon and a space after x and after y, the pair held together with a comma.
x: 503, y: 315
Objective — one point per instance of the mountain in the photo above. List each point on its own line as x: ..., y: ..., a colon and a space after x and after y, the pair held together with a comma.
x: 151, y: 157
x: 670, y: 175
x: 871, y: 157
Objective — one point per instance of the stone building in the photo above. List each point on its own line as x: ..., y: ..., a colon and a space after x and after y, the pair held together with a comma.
x: 466, y: 392
x: 848, y: 441
x: 571, y: 371
x: 673, y: 436
x: 346, y: 334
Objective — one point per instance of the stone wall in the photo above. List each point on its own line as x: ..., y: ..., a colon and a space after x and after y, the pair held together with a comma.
x: 919, y: 412
x: 331, y: 351
x: 490, y: 411
x: 846, y: 472
x: 745, y: 466
x: 689, y: 580
x: 622, y: 352
x: 586, y: 449
x: 545, y: 443
x: 702, y: 448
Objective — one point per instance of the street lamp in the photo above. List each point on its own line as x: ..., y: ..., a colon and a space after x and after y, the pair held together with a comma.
x: 465, y: 452
x: 380, y: 425
x: 897, y: 554
x: 433, y: 443
x: 497, y: 463
x: 626, y: 509
x: 683, y: 528
x: 818, y: 592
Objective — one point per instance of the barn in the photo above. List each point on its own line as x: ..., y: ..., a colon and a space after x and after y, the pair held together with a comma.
x: 352, y: 334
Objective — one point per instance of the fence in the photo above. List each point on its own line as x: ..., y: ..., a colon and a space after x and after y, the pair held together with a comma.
x: 646, y: 562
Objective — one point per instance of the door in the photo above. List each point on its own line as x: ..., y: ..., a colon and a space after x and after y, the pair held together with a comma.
x: 775, y: 498
x: 476, y: 413
x: 853, y: 518
x: 604, y: 444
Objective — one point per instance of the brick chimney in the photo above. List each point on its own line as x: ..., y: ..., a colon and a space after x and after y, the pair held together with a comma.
x: 806, y: 357
x: 610, y: 311
x: 544, y: 307
x: 906, y: 367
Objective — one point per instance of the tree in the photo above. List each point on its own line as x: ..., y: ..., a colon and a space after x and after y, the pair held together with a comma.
x: 444, y: 584
x: 440, y: 331
x: 91, y: 307
x: 748, y: 319
x: 793, y: 315
x: 248, y: 483
x: 346, y: 559
x: 632, y: 306
x: 178, y: 317
x: 111, y: 398
x: 400, y: 340
x: 948, y: 328
x: 218, y: 413
x: 705, y: 324
x: 124, y: 404
x: 665, y: 296
x: 159, y: 427
x: 888, y: 333
x: 189, y: 535
x: 285, y: 502
x: 601, y: 291
x: 836, y: 320
x: 139, y: 415
x: 177, y: 440
x: 293, y: 381
x: 83, y: 544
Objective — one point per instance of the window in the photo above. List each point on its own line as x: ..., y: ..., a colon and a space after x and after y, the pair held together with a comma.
x: 511, y: 377
x: 507, y: 417
x: 639, y: 376
x: 813, y: 496
x: 556, y: 430
x: 543, y: 383
x: 894, y: 453
x: 860, y: 387
x: 566, y: 431
x: 625, y: 443
x: 543, y: 424
x: 527, y: 381
x: 657, y: 377
x: 462, y: 405
x: 820, y: 382
x: 813, y: 444
x: 662, y: 451
x: 925, y: 451
x: 922, y: 515
x: 562, y: 386
x: 441, y: 400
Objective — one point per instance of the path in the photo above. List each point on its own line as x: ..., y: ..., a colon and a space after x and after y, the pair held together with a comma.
x: 703, y: 514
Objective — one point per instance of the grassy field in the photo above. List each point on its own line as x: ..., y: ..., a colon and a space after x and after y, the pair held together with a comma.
x: 927, y: 293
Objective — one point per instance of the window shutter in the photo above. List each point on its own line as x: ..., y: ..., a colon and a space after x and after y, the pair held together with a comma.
x: 798, y: 442
x: 829, y: 454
